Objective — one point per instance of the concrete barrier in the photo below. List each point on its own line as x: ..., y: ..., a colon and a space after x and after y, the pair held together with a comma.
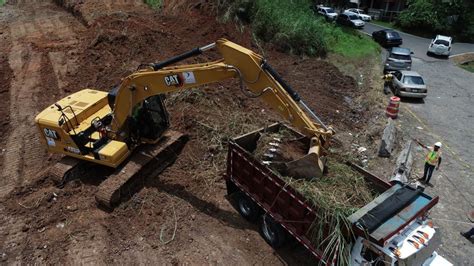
x: 402, y: 170
x: 388, y: 139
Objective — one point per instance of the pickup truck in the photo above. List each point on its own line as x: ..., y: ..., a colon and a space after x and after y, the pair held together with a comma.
x: 393, y: 229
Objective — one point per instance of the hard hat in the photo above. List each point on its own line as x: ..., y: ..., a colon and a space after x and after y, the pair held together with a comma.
x: 438, y: 144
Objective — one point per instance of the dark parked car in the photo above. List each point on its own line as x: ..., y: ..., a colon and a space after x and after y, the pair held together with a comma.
x: 387, y: 37
x: 350, y: 19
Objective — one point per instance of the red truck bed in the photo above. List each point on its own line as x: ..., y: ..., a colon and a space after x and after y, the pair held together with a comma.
x: 284, y: 204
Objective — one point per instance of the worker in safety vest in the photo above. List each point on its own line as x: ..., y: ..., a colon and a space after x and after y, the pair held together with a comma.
x: 469, y: 234
x: 432, y: 161
x: 387, y: 79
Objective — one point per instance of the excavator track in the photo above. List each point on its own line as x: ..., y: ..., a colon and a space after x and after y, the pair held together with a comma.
x: 148, y: 160
x: 63, y: 170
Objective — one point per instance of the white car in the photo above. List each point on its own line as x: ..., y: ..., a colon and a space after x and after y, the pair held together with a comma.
x: 327, y: 12
x: 350, y: 19
x: 360, y: 13
x: 440, y: 45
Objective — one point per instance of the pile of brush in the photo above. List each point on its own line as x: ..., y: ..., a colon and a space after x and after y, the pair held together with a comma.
x: 336, y: 195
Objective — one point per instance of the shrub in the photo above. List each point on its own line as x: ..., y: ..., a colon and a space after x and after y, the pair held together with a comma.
x: 454, y: 18
x: 155, y: 4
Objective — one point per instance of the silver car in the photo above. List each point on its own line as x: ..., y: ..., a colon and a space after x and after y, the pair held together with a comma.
x: 408, y: 84
x: 398, y: 59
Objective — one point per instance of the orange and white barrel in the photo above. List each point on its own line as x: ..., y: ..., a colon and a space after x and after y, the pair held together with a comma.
x: 393, y: 107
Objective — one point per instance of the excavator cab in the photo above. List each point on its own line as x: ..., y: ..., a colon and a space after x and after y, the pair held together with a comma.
x: 149, y: 120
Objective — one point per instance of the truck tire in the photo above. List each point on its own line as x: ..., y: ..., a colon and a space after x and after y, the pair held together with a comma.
x: 272, y: 232
x: 247, y: 207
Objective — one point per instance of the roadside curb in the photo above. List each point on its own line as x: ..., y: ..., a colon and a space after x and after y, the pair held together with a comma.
x: 469, y: 55
x: 366, y: 33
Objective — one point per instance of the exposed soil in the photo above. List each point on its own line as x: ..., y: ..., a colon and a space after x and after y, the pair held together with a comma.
x: 6, y: 75
x: 181, y: 216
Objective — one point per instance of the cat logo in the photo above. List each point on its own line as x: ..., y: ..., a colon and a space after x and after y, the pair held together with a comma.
x: 51, y: 133
x: 173, y: 80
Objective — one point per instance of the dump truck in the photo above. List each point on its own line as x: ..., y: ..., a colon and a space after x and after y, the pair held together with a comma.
x: 393, y: 229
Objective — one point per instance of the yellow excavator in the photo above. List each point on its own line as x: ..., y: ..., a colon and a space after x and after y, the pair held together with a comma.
x: 127, y: 129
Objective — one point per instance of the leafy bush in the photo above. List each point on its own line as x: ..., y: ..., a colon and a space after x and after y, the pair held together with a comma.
x: 455, y: 18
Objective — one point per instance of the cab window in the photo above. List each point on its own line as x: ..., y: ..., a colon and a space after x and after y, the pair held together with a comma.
x: 398, y: 75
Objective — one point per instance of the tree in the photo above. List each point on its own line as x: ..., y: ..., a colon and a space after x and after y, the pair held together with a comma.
x: 451, y: 17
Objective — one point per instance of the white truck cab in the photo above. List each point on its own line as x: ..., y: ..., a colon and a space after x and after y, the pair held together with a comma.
x: 413, y: 246
x: 394, y: 230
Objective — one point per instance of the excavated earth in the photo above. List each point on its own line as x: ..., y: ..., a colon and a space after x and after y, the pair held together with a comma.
x: 53, y: 48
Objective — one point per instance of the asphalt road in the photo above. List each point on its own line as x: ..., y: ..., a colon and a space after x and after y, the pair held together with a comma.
x: 419, y: 45
x: 446, y: 115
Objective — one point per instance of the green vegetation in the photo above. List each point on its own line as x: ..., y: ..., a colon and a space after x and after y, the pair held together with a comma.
x: 354, y: 45
x: 452, y: 18
x: 294, y: 27
x: 469, y: 66
x: 337, y: 195
x: 155, y: 4
x: 2, y: 2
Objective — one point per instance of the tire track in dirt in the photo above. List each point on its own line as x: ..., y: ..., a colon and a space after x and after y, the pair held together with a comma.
x: 21, y: 145
x: 43, y: 39
x: 25, y: 64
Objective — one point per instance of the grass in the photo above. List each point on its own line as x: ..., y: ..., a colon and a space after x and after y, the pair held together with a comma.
x: 338, y: 195
x: 354, y: 45
x: 2, y: 2
x: 294, y: 28
x: 155, y: 4
x: 469, y: 66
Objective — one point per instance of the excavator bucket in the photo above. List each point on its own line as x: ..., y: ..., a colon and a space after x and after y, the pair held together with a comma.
x: 287, y: 151
x: 309, y: 166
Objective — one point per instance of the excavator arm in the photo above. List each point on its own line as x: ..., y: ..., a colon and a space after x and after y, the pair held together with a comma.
x: 99, y: 127
x: 237, y: 62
